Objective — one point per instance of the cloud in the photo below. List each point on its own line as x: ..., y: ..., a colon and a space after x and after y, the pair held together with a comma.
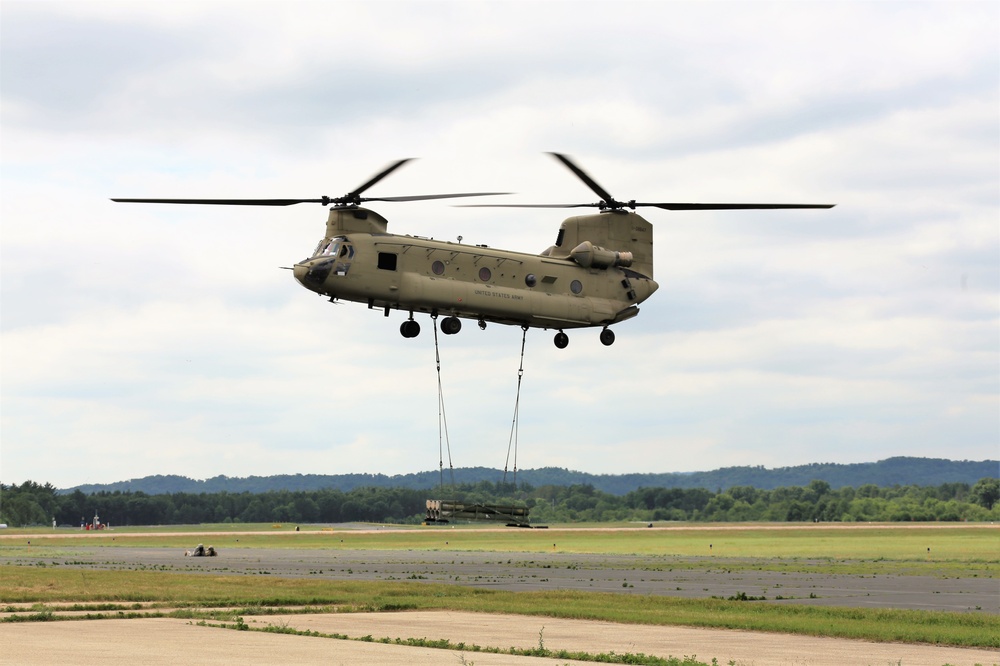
x: 154, y: 339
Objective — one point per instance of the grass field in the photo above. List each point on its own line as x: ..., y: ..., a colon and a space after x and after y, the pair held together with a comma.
x: 971, y: 550
x: 972, y: 544
x: 917, y: 550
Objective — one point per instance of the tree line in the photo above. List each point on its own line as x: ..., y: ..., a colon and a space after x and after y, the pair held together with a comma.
x: 888, y: 472
x: 31, y: 503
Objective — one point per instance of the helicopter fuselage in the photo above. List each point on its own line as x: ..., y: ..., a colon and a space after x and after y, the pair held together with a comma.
x: 596, y: 274
x: 565, y: 287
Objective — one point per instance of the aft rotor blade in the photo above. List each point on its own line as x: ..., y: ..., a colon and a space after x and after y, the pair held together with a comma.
x: 582, y: 175
x: 590, y: 205
x: 227, y: 202
x: 726, y: 206
x: 665, y: 206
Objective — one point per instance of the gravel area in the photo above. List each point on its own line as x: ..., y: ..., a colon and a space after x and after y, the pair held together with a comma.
x: 623, y: 574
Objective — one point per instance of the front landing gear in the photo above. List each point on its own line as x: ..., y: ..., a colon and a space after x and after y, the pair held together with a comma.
x: 607, y: 337
x: 561, y: 340
x: 409, y: 328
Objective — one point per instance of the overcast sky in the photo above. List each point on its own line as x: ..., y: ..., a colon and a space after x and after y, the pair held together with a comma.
x: 142, y: 340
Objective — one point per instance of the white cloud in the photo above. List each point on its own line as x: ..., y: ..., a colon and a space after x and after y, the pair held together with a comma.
x: 141, y: 340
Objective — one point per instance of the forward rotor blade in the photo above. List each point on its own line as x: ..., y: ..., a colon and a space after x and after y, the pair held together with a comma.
x: 385, y: 172
x: 227, y: 202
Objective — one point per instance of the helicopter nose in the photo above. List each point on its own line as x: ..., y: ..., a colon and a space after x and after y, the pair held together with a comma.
x: 300, y: 271
x: 312, y: 274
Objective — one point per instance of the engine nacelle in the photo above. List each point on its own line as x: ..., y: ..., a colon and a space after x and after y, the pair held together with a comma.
x: 589, y: 255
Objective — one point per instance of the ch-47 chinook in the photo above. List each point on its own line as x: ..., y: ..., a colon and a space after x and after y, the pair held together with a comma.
x: 596, y: 274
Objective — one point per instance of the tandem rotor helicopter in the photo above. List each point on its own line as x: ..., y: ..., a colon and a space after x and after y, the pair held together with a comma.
x: 595, y: 275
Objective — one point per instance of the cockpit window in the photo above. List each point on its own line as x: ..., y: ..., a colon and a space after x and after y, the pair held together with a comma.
x: 331, y: 248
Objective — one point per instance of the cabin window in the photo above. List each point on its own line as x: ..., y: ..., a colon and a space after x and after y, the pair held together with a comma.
x: 530, y: 280
x: 576, y: 286
x: 485, y: 274
x: 387, y: 261
x: 438, y: 267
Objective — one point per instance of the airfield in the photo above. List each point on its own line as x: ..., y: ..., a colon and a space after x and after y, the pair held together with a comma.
x: 445, y: 558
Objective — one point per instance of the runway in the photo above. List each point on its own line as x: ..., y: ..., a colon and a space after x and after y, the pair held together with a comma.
x: 168, y: 642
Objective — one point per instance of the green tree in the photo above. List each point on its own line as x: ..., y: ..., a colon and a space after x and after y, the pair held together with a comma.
x: 22, y: 510
x: 986, y: 492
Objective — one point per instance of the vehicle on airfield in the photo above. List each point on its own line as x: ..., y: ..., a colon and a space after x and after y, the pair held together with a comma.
x: 201, y: 551
x: 595, y: 275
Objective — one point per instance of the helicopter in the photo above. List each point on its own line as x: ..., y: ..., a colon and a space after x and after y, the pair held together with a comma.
x: 595, y: 275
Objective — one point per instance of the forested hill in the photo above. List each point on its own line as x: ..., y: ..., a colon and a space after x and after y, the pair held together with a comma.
x: 889, y: 472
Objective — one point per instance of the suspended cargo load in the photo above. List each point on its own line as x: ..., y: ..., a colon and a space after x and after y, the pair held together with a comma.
x: 444, y: 511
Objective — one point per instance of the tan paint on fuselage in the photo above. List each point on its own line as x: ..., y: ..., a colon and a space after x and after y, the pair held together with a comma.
x: 607, y: 295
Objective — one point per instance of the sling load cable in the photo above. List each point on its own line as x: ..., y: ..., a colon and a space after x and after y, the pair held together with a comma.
x: 442, y: 417
x: 517, y: 401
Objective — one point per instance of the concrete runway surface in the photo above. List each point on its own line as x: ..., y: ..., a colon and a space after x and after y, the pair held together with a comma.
x: 169, y: 642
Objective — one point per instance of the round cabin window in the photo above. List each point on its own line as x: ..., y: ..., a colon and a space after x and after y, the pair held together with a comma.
x: 485, y: 274
x: 576, y: 286
x: 438, y: 267
x: 530, y: 280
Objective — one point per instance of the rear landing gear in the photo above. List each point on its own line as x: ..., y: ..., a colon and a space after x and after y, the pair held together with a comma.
x: 561, y: 340
x: 451, y: 325
x: 607, y: 337
x: 409, y: 328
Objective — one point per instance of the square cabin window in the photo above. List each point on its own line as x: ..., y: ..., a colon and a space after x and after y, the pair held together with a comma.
x: 387, y: 261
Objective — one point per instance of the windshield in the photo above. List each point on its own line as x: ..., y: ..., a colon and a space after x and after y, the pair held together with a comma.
x: 328, y: 248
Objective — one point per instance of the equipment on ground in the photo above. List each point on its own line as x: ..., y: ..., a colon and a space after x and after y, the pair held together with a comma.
x: 201, y: 551
x: 446, y: 511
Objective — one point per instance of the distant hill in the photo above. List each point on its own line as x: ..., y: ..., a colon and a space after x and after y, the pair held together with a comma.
x: 889, y: 472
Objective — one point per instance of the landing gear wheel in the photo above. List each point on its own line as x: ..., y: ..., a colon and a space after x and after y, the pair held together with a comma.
x: 561, y: 340
x: 409, y: 328
x: 607, y: 337
x: 451, y: 325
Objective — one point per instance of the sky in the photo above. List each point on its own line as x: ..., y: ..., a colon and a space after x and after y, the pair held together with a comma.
x: 143, y: 339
